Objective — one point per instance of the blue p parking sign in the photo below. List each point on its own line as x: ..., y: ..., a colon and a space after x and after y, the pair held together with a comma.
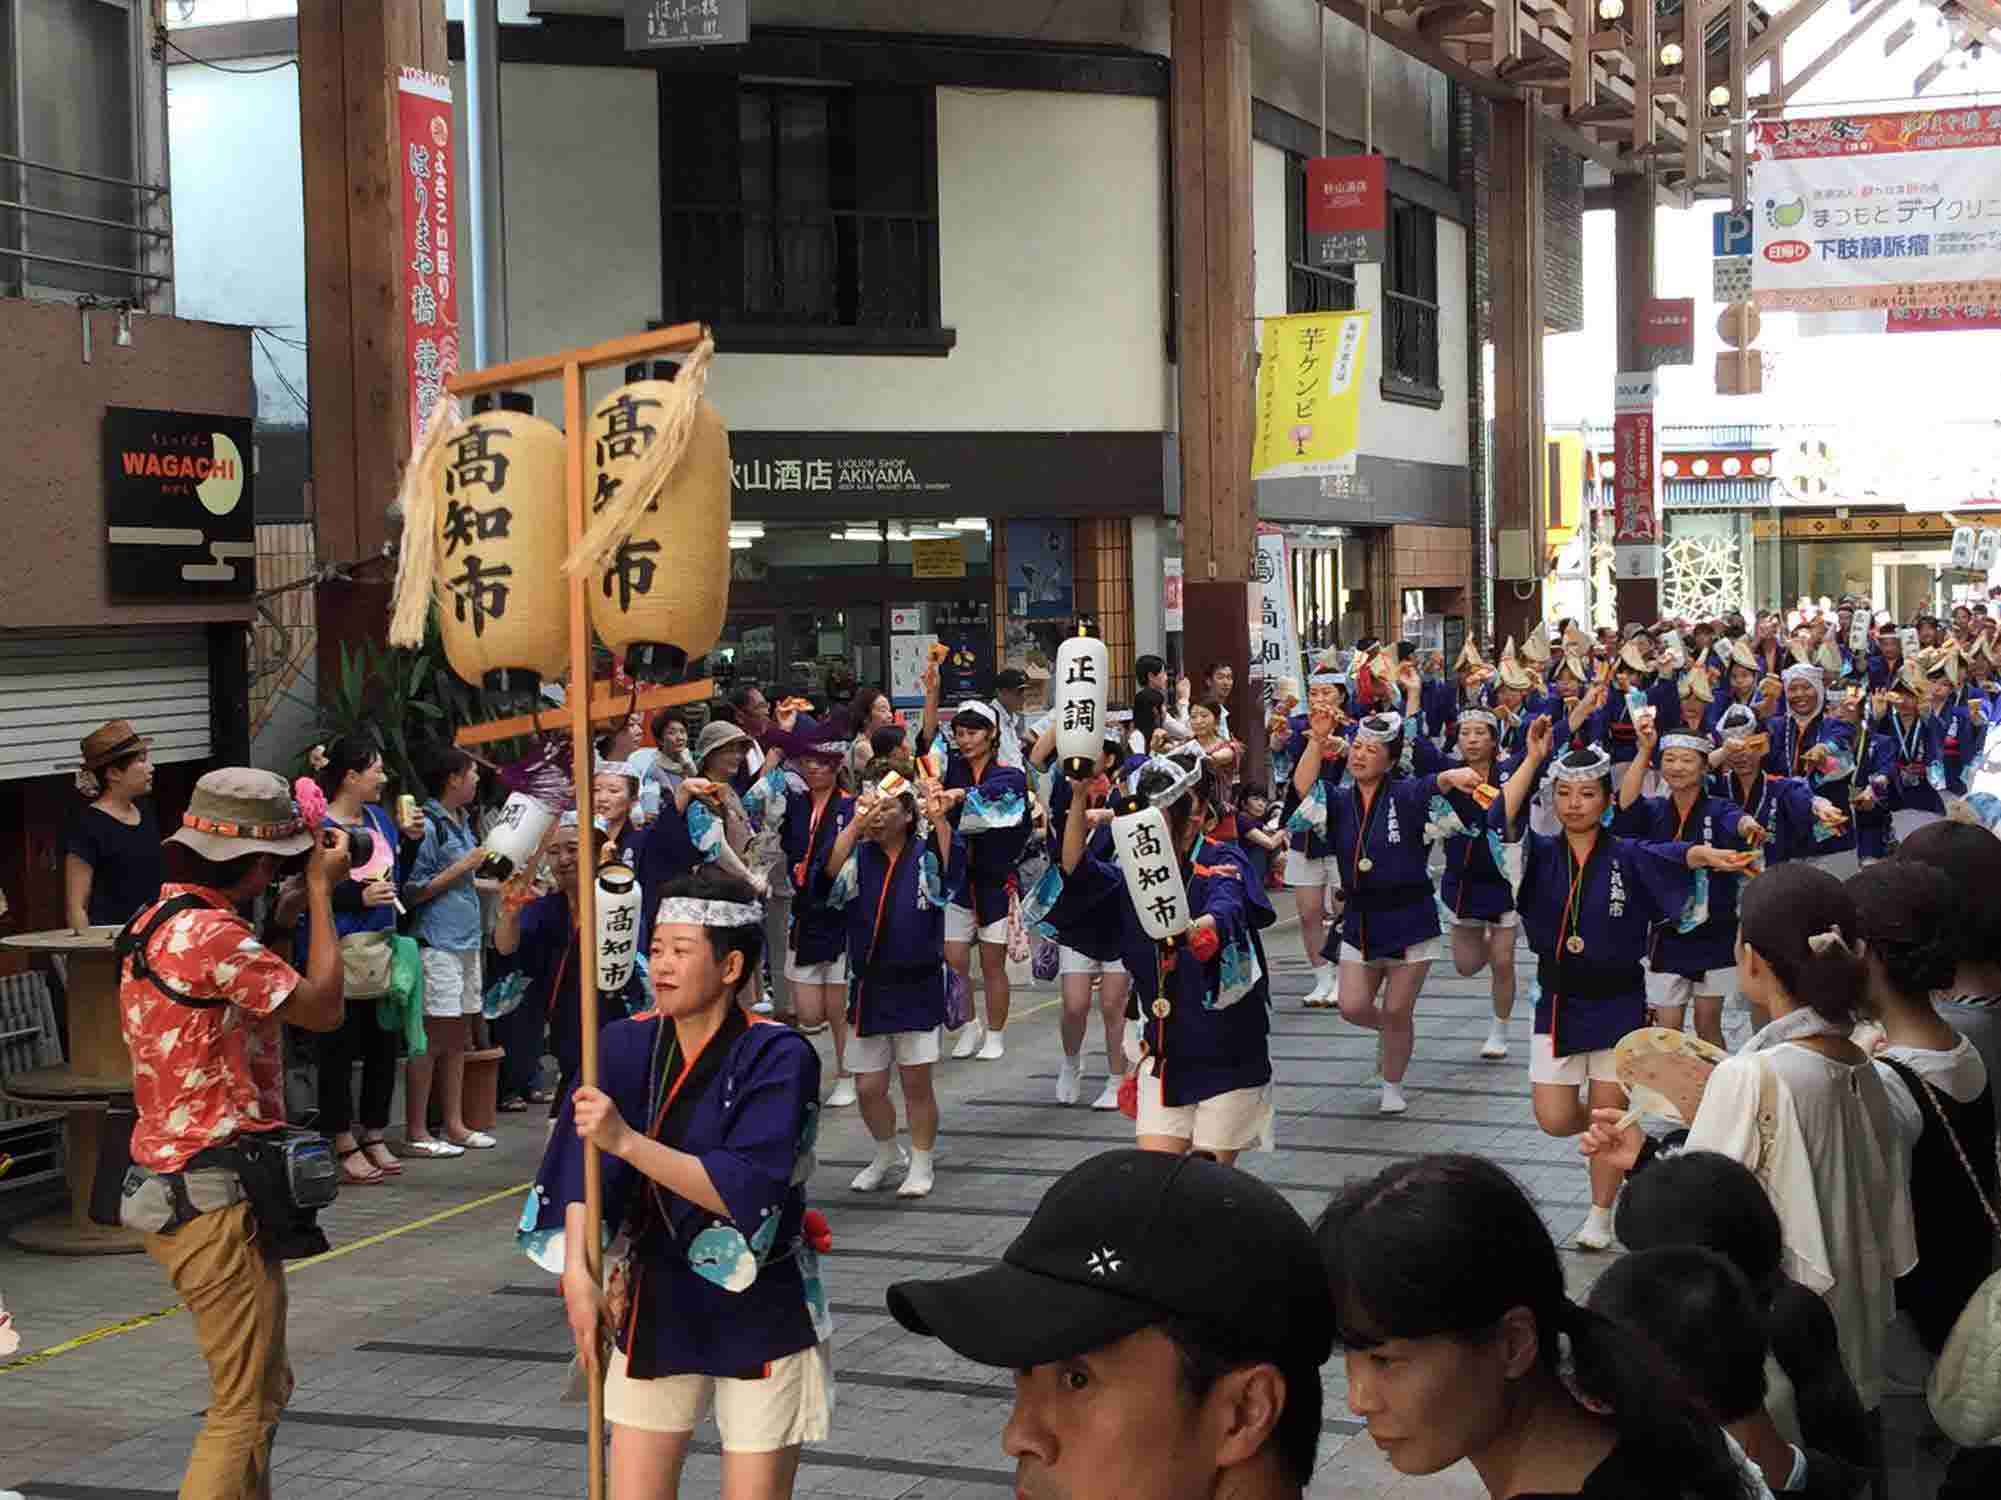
x: 1730, y: 233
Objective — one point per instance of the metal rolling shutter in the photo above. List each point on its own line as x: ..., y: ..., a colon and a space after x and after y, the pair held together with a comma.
x: 54, y: 690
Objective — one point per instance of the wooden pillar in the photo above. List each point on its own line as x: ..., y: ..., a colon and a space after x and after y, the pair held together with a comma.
x: 1514, y: 261
x: 1633, y: 265
x: 350, y: 55
x: 1212, y: 234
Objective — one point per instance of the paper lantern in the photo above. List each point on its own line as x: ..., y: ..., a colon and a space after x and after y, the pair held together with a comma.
x: 501, y: 533
x: 1152, y: 869
x: 1082, y: 669
x: 515, y: 835
x: 659, y: 600
x: 619, y: 944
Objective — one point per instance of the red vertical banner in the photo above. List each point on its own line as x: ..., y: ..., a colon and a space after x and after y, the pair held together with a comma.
x: 1347, y: 209
x: 1635, y: 515
x: 430, y: 243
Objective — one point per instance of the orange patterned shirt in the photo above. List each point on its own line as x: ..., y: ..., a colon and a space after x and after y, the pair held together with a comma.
x: 202, y: 1075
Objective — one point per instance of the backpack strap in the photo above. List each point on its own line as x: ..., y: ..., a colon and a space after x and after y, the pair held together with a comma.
x: 133, y: 941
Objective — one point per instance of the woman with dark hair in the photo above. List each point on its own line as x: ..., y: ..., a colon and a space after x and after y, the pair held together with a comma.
x: 1149, y: 713
x: 1449, y: 1302
x: 1803, y: 1108
x: 1704, y: 1198
x: 869, y: 712
x: 706, y: 1117
x: 1939, y: 1091
x: 349, y: 775
x: 111, y: 849
x: 1970, y: 859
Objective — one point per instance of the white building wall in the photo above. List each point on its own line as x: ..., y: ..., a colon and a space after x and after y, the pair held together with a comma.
x: 1052, y: 251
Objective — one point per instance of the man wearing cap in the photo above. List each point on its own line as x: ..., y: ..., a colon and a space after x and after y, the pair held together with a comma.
x: 1166, y: 1320
x: 202, y: 1004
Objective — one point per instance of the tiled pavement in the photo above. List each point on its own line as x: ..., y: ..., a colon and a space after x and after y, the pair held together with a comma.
x: 430, y: 1362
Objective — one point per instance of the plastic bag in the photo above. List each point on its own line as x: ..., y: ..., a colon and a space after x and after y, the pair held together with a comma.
x: 1045, y: 957
x: 402, y: 1009
x: 958, y: 999
x: 1017, y: 930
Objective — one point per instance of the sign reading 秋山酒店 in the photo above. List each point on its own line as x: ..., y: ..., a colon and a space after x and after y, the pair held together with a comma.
x: 1347, y: 209
x: 178, y: 513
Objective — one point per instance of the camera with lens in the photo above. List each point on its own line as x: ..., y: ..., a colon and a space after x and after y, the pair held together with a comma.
x: 360, y: 846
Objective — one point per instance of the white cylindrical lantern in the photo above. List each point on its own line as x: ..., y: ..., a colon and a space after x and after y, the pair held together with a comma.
x: 1082, y: 668
x: 516, y: 835
x: 620, y: 943
x: 1152, y: 870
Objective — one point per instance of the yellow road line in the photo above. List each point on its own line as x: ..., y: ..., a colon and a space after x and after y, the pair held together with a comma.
x: 130, y: 1325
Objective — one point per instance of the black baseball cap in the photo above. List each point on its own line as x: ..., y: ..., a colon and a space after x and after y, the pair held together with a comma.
x: 1010, y: 678
x: 1127, y: 1240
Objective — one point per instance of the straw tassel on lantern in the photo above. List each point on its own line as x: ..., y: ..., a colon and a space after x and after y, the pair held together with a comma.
x: 649, y: 476
x: 417, y: 553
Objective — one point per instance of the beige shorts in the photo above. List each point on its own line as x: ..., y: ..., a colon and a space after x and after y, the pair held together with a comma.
x: 961, y: 926
x: 873, y: 1054
x: 833, y: 971
x: 1545, y: 1066
x: 1483, y: 924
x: 1418, y: 953
x: 451, y: 983
x: 1679, y: 990
x: 792, y: 1404
x: 1070, y: 961
x: 1240, y: 1120
x: 1303, y: 872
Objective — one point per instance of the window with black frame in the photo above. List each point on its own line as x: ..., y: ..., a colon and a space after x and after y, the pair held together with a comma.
x: 1410, y: 305
x: 800, y: 215
x: 1309, y: 288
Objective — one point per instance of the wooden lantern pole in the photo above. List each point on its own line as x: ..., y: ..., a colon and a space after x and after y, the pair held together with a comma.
x: 571, y: 366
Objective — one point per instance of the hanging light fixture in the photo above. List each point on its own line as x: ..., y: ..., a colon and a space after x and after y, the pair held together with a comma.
x: 1611, y: 10
x: 1719, y: 97
x: 1670, y: 54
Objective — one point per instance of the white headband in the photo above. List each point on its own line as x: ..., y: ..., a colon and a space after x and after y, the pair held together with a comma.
x: 1186, y: 774
x: 1596, y: 769
x: 1693, y: 742
x: 1379, y: 729
x: 693, y: 913
x: 1480, y: 716
x: 1737, y: 716
x: 616, y: 768
x: 984, y: 710
x: 1803, y: 672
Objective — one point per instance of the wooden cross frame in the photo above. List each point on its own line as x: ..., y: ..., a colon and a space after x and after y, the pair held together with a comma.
x: 570, y: 366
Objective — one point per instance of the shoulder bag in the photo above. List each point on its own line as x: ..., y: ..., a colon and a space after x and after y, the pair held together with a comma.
x: 1964, y: 1391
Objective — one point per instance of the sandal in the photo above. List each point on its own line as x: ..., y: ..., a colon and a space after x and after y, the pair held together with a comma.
x: 513, y: 1105
x: 389, y: 1168
x: 350, y: 1177
x: 542, y: 1096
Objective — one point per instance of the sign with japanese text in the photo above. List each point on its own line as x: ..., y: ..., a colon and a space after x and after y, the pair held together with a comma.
x: 1347, y: 209
x: 1899, y: 211
x: 1277, y: 655
x: 178, y: 512
x: 1667, y: 330
x: 1152, y: 871
x: 1309, y: 395
x: 1170, y: 594
x: 938, y: 557
x: 1730, y: 279
x: 430, y: 245
x: 686, y: 23
x: 1635, y: 515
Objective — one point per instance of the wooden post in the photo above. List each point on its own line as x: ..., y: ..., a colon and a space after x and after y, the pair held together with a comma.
x: 1212, y: 230
x: 350, y: 55
x: 1633, y: 265
x: 1514, y: 259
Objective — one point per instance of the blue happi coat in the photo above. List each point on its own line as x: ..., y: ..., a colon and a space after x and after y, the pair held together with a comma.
x: 1095, y: 930
x: 1392, y: 905
x: 1612, y: 725
x: 1831, y: 779
x: 1214, y: 1037
x: 1911, y: 760
x: 994, y: 827
x: 819, y: 931
x: 711, y: 1294
x: 1476, y: 885
x: 895, y: 926
x: 1714, y: 821
x: 1784, y: 806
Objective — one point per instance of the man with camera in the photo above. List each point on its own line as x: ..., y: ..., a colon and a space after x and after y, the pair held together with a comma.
x: 221, y: 1190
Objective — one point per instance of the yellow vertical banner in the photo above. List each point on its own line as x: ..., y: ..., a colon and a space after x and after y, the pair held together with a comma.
x: 1309, y: 395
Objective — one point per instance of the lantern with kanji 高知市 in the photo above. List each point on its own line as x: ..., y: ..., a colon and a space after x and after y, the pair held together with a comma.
x: 657, y: 598
x: 497, y: 499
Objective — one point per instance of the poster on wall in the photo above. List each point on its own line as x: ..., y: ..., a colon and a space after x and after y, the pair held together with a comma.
x: 1893, y: 211
x: 179, y: 512
x: 965, y: 628
x: 1275, y: 646
x: 1635, y: 517
x: 908, y: 656
x: 1039, y: 574
x: 430, y: 246
x: 1308, y: 411
x: 1170, y: 595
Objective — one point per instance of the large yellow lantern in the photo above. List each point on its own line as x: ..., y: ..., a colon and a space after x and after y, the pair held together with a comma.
x: 659, y: 599
x: 500, y: 533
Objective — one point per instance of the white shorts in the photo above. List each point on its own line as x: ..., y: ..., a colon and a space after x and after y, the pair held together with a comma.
x: 1545, y: 1066
x: 1679, y: 990
x: 833, y: 971
x: 451, y: 983
x: 961, y: 926
x: 1506, y: 919
x: 1302, y: 872
x: 873, y: 1054
x: 1418, y: 953
x: 1240, y: 1120
x: 1070, y: 961
x: 792, y: 1404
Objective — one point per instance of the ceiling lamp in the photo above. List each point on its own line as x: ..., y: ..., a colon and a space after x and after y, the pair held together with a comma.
x: 1719, y: 97
x: 1611, y: 10
x: 1670, y: 54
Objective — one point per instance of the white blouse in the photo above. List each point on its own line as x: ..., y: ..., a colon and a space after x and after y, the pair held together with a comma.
x: 1836, y: 1171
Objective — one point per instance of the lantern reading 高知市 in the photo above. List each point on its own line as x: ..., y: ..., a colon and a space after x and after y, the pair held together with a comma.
x: 619, y: 943
x: 658, y: 600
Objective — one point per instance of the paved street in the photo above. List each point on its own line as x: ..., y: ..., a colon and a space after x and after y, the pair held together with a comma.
x: 430, y: 1356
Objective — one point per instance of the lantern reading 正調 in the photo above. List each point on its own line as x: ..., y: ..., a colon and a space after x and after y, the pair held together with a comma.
x: 658, y: 599
x: 1081, y: 671
x: 499, y: 531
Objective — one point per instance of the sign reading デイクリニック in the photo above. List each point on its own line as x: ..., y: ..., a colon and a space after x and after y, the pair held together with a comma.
x: 686, y: 23
x: 1895, y: 211
x: 180, y: 522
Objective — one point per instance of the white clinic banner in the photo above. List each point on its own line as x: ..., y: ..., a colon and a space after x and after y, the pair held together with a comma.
x: 1275, y: 648
x: 1900, y: 212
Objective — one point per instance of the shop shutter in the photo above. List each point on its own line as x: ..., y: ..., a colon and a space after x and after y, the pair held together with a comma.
x: 54, y: 690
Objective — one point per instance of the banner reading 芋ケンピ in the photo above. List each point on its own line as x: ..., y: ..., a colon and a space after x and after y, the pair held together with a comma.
x: 430, y: 247
x: 1895, y: 211
x: 1309, y: 395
